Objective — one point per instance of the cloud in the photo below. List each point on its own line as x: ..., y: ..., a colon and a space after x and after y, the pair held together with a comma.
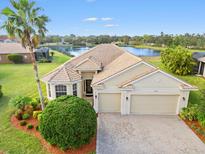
x: 106, y: 19
x: 111, y: 25
x: 90, y: 1
x: 92, y: 19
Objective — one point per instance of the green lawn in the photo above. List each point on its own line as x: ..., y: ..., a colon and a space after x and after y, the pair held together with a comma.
x: 196, y: 97
x: 18, y: 79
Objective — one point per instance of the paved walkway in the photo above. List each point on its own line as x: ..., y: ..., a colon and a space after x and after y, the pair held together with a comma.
x: 145, y: 135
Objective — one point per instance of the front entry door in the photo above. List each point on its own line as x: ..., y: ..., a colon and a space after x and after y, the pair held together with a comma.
x: 88, y: 88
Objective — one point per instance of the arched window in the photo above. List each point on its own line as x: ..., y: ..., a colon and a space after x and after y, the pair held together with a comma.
x: 60, y: 90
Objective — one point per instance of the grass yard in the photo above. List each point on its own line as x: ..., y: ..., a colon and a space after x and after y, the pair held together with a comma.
x: 196, y: 97
x: 18, y: 79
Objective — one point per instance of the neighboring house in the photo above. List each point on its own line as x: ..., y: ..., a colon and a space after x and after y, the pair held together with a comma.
x: 13, y: 48
x: 118, y: 81
x: 6, y: 39
x: 199, y: 57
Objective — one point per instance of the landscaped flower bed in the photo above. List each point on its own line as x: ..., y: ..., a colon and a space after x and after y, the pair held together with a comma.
x: 194, y: 117
x: 52, y: 149
x: 28, y: 116
x: 197, y: 129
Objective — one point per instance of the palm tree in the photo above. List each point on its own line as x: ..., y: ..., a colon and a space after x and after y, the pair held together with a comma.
x: 24, y: 22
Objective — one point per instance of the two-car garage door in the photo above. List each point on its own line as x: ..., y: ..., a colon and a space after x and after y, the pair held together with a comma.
x: 139, y: 104
x: 154, y: 104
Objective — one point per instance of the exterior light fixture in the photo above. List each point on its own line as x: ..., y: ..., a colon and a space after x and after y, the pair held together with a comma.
x: 96, y: 96
x: 126, y: 98
x: 183, y: 98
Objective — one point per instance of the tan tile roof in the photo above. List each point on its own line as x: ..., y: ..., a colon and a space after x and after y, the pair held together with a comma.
x: 124, y: 61
x: 7, y: 48
x: 96, y: 61
x: 102, y: 54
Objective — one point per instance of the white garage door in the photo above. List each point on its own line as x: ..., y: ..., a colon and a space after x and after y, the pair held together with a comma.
x: 154, y: 104
x: 109, y: 102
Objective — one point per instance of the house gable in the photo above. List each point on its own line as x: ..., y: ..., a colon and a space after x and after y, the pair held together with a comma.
x: 88, y: 65
x: 159, y: 79
x: 127, y: 75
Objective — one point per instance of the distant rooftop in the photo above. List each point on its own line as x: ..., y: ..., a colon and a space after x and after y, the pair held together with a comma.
x: 8, y: 48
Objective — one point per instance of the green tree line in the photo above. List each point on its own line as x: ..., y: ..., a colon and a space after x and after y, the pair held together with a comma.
x: 192, y: 41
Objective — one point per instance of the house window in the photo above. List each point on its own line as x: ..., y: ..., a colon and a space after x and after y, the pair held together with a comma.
x: 49, y: 90
x: 60, y: 90
x: 75, y: 89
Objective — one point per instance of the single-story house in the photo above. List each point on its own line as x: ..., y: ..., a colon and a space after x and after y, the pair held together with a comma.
x: 199, y: 57
x: 13, y: 48
x: 118, y: 81
x: 6, y: 39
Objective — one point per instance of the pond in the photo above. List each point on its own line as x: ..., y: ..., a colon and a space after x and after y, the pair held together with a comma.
x: 76, y: 51
x: 143, y: 52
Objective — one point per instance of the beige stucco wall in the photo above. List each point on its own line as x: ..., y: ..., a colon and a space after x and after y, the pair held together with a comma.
x: 157, y: 80
x: 114, y: 82
x: 87, y: 75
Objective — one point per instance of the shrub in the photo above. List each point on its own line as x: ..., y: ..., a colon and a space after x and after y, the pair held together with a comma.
x: 16, y: 58
x: 25, y: 116
x: 201, y: 119
x: 178, y: 60
x: 28, y: 109
x: 37, y: 128
x: 30, y: 126
x: 37, y: 104
x: 201, y: 115
x: 189, y: 113
x: 23, y: 123
x: 20, y: 101
x: 18, y: 114
x: 39, y: 116
x: 36, y: 113
x: 68, y: 122
x: 1, y: 93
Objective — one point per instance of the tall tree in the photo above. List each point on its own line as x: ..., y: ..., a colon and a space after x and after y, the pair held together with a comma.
x: 24, y: 22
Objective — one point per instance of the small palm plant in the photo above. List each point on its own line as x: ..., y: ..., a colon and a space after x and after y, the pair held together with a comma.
x: 24, y: 22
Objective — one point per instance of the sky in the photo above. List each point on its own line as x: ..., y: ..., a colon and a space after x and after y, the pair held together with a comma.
x: 121, y: 17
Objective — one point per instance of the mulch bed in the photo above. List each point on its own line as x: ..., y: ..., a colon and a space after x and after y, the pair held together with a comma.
x: 196, y: 128
x: 91, y: 147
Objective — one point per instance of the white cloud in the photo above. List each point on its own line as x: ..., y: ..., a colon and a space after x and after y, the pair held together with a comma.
x: 93, y: 19
x: 106, y: 19
x: 90, y: 1
x: 111, y: 25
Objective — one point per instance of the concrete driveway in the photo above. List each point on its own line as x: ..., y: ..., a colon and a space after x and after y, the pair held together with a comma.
x: 134, y: 134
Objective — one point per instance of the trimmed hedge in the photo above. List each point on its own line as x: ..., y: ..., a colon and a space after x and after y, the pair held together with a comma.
x: 15, y: 58
x: 68, y: 122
